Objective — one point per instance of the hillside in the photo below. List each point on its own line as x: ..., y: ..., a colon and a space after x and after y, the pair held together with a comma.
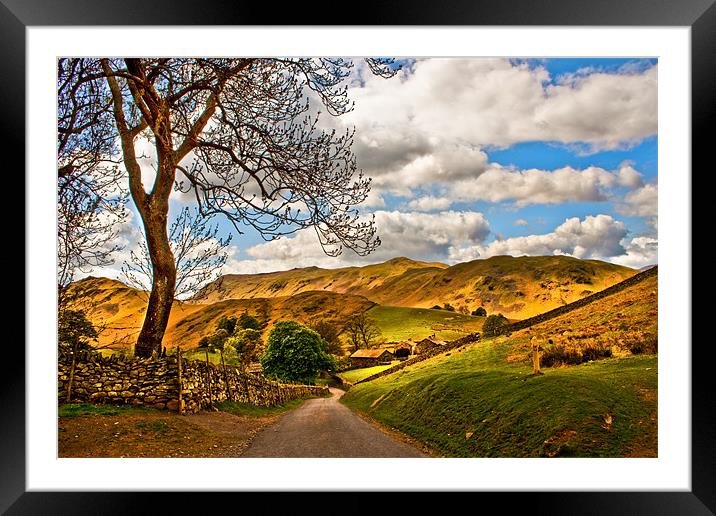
x: 398, y: 323
x: 353, y: 280
x: 481, y: 400
x: 120, y: 310
x: 518, y: 287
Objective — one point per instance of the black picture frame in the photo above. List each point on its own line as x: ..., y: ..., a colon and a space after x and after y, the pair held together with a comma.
x: 699, y: 15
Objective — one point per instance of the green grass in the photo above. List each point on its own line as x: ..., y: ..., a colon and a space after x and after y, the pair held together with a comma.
x: 249, y: 410
x: 86, y: 409
x: 402, y: 323
x: 356, y: 375
x: 477, y: 404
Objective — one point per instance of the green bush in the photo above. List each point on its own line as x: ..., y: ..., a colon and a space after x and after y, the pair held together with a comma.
x: 249, y: 322
x: 480, y: 312
x: 227, y: 323
x: 495, y: 325
x: 295, y: 354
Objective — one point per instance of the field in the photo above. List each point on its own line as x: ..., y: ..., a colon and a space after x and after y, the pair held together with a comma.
x: 356, y: 375
x: 401, y: 323
x: 482, y: 400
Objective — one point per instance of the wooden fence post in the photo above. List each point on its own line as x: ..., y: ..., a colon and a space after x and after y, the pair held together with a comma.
x: 181, y: 400
x: 72, y: 373
x: 208, y: 378
x: 535, y: 356
x: 226, y: 377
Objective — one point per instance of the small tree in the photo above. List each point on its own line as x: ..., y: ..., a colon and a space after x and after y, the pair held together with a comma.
x: 329, y: 332
x: 495, y: 325
x: 362, y: 331
x: 227, y: 323
x: 249, y: 322
x: 295, y: 353
x: 480, y: 312
x: 74, y: 330
x: 247, y: 343
x: 448, y: 307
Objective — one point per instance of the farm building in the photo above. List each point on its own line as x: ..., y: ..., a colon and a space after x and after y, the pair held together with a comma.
x: 370, y: 357
x: 402, y: 350
x: 426, y: 345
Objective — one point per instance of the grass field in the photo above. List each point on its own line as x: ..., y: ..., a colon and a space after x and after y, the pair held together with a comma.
x: 356, y: 375
x: 475, y: 403
x: 401, y: 323
x: 247, y: 409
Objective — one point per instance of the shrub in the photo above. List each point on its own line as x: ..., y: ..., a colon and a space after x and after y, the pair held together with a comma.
x: 227, y: 323
x: 248, y: 322
x: 480, y: 312
x: 448, y: 307
x: 295, y: 353
x: 646, y: 345
x: 247, y: 344
x: 437, y: 307
x: 495, y: 325
x: 560, y: 354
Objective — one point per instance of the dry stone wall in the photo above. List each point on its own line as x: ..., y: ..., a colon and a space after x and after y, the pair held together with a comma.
x: 154, y: 382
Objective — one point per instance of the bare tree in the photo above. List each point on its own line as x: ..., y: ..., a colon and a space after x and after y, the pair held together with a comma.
x: 90, y: 200
x: 258, y: 155
x: 198, y: 252
x: 362, y: 331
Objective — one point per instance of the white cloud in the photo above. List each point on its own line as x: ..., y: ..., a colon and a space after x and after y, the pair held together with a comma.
x: 597, y: 236
x: 430, y: 203
x: 520, y: 222
x: 640, y: 251
x: 426, y: 236
x: 430, y: 124
x: 642, y: 202
x: 535, y: 186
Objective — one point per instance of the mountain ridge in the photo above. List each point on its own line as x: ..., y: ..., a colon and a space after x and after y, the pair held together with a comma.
x: 519, y: 287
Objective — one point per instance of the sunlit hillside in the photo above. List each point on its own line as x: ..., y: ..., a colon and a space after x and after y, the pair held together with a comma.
x: 517, y: 287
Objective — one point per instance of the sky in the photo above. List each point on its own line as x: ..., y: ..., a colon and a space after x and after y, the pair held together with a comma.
x: 472, y: 158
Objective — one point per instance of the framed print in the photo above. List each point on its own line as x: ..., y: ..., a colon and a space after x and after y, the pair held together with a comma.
x: 584, y: 111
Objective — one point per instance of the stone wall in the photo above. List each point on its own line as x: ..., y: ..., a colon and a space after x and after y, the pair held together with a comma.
x: 154, y: 382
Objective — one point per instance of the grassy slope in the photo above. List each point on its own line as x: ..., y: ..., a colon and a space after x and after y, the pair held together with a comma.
x: 401, y: 323
x: 518, y: 287
x: 356, y: 375
x: 599, y: 409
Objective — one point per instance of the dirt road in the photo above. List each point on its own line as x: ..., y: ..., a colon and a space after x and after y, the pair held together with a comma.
x: 323, y: 427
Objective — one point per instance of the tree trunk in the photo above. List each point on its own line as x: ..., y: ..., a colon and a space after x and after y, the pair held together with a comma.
x: 154, y: 217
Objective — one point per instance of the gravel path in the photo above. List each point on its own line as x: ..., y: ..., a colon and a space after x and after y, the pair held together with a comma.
x: 323, y: 427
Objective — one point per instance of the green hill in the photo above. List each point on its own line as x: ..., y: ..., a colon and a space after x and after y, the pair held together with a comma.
x: 399, y: 323
x: 482, y: 401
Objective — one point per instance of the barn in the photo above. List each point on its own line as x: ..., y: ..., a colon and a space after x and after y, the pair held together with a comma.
x: 370, y: 357
x: 425, y: 346
x: 402, y: 350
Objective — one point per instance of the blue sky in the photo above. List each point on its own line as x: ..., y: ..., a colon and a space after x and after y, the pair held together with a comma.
x: 476, y: 157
